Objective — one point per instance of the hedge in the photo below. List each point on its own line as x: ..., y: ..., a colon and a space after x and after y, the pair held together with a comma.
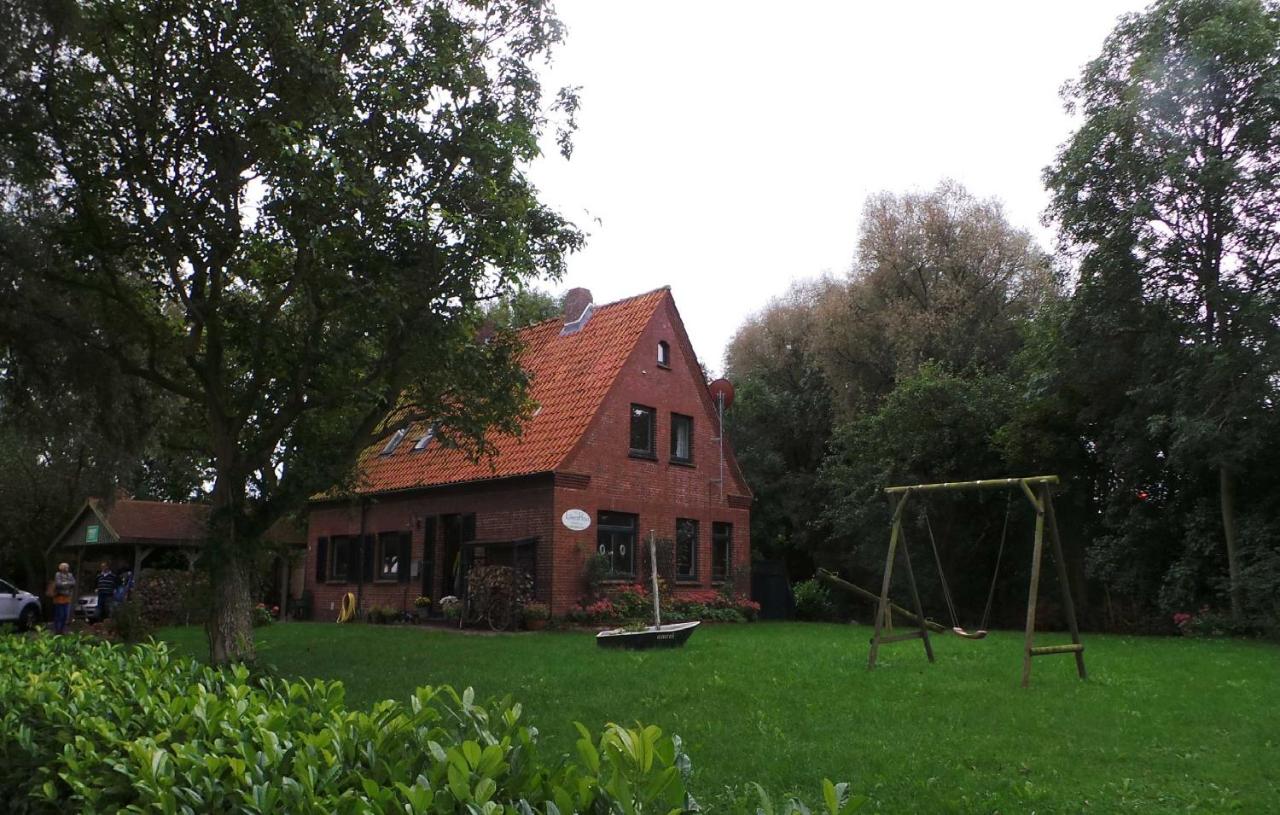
x: 96, y: 727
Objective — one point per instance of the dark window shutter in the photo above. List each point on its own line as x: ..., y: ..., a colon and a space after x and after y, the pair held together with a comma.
x: 353, y: 558
x: 322, y: 558
x: 469, y: 527
x: 406, y: 552
x: 370, y: 545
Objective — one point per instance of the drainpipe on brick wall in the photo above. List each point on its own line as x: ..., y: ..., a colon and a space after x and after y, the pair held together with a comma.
x: 364, y: 506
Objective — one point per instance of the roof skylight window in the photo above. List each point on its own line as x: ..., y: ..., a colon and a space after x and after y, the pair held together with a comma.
x: 576, y: 326
x: 394, y: 441
x: 426, y: 438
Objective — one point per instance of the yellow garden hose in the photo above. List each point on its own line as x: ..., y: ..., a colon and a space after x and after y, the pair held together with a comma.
x: 348, y: 611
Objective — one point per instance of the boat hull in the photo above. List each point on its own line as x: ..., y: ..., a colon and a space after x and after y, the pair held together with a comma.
x: 666, y: 636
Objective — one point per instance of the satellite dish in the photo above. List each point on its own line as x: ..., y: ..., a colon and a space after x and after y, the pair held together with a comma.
x: 722, y: 389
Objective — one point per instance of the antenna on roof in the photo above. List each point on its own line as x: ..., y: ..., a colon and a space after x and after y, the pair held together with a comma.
x: 722, y: 395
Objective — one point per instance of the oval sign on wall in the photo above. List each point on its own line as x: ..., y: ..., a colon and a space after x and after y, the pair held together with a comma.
x: 576, y: 519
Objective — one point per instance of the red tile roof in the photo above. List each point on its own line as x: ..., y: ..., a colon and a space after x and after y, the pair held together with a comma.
x: 569, y: 377
x: 154, y: 520
x: 131, y: 520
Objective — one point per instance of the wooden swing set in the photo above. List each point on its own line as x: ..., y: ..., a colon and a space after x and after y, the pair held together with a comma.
x: 1036, y: 489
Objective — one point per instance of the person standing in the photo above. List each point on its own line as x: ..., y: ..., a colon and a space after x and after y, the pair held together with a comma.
x: 64, y: 592
x: 106, y: 590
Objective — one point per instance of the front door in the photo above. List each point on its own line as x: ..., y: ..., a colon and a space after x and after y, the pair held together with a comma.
x: 429, y: 557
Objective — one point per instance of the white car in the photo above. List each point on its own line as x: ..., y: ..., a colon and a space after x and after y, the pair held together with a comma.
x: 87, y: 606
x: 18, y: 606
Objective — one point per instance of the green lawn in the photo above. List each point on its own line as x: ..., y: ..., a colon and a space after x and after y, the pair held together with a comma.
x: 1161, y: 724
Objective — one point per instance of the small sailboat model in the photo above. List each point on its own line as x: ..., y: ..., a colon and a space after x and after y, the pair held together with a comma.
x: 656, y: 635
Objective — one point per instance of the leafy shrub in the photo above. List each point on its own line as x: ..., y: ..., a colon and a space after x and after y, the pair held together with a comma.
x: 595, y: 571
x: 1208, y: 622
x: 813, y: 601
x: 633, y: 604
x: 382, y: 615
x: 140, y: 729
x: 263, y: 615
x: 422, y: 602
x: 537, y: 611
x: 129, y: 623
x: 96, y: 728
x: 450, y: 607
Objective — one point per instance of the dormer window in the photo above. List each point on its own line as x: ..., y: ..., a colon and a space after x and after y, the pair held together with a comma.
x: 394, y: 441
x: 426, y: 438
x: 664, y: 354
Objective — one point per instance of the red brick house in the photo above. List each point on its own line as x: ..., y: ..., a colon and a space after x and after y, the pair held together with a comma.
x: 624, y: 441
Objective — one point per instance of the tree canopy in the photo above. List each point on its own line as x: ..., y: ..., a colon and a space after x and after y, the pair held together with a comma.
x: 1146, y: 378
x: 286, y: 217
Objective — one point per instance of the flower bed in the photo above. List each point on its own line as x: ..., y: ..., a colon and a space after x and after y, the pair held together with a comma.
x: 633, y: 603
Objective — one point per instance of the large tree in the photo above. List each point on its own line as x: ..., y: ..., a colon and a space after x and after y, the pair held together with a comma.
x: 939, y: 276
x: 283, y: 215
x: 781, y: 422
x: 1170, y: 188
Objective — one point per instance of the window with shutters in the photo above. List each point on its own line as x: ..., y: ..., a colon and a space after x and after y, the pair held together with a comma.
x: 388, y: 562
x: 341, y: 554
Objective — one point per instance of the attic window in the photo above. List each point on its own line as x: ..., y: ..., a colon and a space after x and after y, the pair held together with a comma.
x: 426, y: 438
x: 576, y: 326
x: 394, y: 442
x: 664, y: 354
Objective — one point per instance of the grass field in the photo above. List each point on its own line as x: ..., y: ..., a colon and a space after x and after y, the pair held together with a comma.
x: 1161, y: 725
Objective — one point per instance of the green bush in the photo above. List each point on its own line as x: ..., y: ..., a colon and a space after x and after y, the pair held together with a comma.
x: 100, y: 728
x: 813, y: 601
x: 129, y: 622
x: 94, y: 727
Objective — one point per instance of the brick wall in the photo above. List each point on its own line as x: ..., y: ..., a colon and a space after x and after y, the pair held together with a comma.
x: 658, y: 491
x: 598, y: 476
x: 505, y: 510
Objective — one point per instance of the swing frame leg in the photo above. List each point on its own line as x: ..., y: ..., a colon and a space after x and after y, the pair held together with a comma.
x: 1043, y: 503
x: 883, y: 611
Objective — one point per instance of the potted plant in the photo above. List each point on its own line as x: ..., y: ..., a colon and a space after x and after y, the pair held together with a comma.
x: 423, y: 605
x: 451, y: 607
x: 536, y: 616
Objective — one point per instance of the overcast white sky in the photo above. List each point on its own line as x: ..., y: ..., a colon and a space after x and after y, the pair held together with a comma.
x: 726, y: 148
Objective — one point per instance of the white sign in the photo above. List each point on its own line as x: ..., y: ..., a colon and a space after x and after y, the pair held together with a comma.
x: 576, y: 519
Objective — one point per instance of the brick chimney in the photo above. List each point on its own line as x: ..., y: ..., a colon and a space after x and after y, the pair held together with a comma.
x: 576, y: 302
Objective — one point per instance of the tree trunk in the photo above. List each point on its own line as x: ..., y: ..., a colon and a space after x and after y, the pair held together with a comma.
x: 1227, y: 492
x: 230, y: 626
x: 284, y: 585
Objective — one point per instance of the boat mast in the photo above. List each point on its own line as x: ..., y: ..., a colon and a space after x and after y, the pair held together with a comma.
x: 653, y: 573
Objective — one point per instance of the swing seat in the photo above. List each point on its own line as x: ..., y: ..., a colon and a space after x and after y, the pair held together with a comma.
x: 981, y: 633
